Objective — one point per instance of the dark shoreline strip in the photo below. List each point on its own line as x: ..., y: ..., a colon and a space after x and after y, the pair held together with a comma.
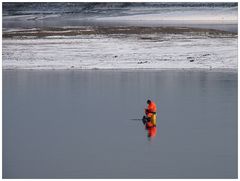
x: 113, y: 30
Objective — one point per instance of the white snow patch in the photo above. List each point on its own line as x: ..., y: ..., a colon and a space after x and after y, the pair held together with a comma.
x: 127, y: 52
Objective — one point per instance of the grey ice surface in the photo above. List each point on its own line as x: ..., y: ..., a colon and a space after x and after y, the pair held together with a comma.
x: 77, y: 124
x: 220, y: 16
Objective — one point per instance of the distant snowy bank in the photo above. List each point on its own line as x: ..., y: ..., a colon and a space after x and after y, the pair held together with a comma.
x: 124, y: 35
x: 148, y: 50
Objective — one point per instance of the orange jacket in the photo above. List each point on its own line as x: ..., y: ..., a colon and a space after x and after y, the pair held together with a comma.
x: 152, y: 108
x: 152, y: 130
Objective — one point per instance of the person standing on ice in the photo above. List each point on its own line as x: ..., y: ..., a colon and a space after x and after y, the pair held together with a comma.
x: 150, y: 119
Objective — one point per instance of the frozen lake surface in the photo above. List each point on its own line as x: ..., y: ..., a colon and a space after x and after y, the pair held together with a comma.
x: 78, y: 124
x: 222, y: 16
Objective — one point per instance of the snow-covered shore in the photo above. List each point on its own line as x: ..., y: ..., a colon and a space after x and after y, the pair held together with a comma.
x: 122, y: 51
x: 120, y: 36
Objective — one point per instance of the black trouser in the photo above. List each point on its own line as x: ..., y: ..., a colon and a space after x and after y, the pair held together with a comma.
x: 145, y: 119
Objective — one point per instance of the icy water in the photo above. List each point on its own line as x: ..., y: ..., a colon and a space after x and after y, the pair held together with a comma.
x: 220, y: 16
x: 80, y: 124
